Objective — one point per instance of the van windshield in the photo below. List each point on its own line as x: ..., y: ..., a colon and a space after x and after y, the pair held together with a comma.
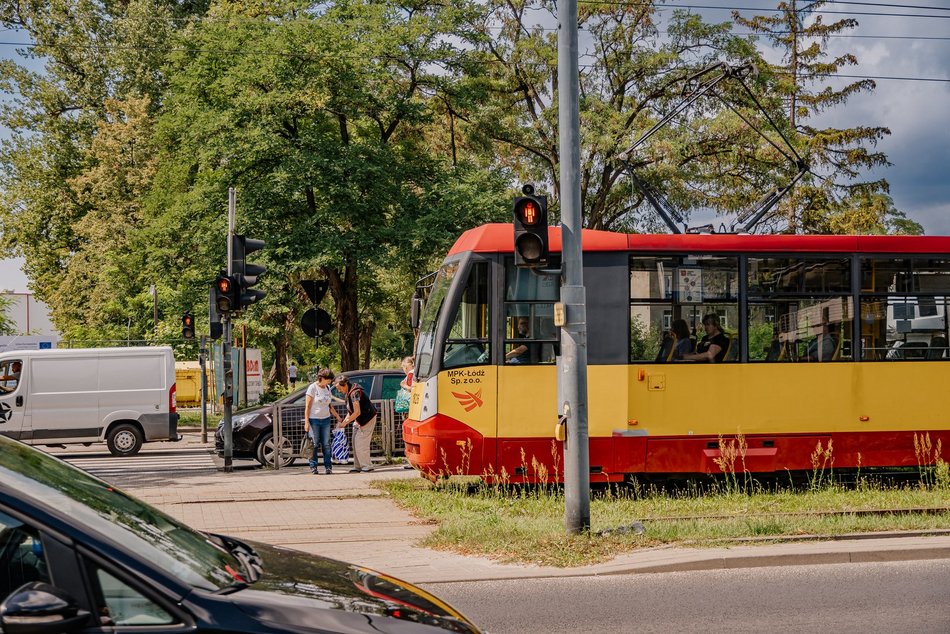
x: 100, y: 508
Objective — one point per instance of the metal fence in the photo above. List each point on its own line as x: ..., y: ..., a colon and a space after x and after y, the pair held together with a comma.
x: 387, y: 437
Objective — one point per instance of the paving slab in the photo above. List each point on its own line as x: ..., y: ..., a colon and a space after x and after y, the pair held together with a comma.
x: 345, y: 517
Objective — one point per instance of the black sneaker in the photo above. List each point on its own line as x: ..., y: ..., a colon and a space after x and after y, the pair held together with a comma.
x: 329, y: 471
x: 313, y: 471
x: 354, y: 470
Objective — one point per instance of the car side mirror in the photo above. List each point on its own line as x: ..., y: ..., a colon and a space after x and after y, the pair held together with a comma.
x: 39, y: 608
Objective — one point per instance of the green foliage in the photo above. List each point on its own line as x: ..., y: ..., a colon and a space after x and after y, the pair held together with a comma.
x: 7, y: 327
x: 836, y: 203
x: 634, y: 73
x: 645, y: 340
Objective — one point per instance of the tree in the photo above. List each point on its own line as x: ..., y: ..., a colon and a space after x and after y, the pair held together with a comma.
x: 7, y: 326
x: 800, y: 33
x: 319, y: 119
x: 630, y: 76
x: 63, y: 205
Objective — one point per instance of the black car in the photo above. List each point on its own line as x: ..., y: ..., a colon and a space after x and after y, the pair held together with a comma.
x: 252, y: 429
x: 77, y: 555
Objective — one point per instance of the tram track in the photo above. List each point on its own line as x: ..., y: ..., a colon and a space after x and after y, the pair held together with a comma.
x: 923, y: 510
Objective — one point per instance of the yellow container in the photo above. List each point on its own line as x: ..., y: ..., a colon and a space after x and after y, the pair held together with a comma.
x: 188, y: 383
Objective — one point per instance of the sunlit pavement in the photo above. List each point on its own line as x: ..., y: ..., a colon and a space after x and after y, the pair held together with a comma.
x: 343, y: 516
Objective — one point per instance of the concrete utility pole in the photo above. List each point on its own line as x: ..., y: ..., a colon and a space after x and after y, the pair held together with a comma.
x: 572, y: 362
x: 226, y: 349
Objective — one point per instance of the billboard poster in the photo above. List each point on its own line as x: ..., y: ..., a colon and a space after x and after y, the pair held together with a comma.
x: 253, y: 374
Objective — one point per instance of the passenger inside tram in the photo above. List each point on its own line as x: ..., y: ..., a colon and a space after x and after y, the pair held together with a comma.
x: 683, y: 344
x: 713, y: 346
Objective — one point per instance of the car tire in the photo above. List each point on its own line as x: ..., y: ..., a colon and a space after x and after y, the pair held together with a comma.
x: 266, y: 450
x: 124, y: 440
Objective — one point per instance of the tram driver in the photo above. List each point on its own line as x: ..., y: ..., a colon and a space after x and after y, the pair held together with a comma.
x: 713, y: 346
x: 519, y: 354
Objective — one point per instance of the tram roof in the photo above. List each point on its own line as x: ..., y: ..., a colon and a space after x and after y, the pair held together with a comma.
x: 498, y: 238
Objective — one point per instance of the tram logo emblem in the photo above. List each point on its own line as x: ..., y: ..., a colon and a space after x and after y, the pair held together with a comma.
x: 468, y: 400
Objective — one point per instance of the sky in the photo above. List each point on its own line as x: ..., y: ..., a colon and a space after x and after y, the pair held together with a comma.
x: 899, y: 44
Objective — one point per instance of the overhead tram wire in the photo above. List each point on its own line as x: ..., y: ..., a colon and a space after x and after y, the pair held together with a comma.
x: 625, y: 3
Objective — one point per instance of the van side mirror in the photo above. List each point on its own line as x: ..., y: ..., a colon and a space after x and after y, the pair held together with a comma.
x: 40, y: 608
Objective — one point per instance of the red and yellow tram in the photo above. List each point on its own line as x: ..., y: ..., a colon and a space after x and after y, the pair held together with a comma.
x: 836, y: 343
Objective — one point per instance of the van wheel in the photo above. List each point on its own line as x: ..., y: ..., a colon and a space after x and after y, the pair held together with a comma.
x: 124, y: 440
x: 266, y: 450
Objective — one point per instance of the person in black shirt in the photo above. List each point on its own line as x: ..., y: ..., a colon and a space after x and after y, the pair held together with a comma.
x: 362, y: 413
x: 520, y: 353
x: 713, y: 346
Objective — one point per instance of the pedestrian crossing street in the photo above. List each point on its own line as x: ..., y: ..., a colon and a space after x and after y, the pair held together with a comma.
x: 167, y: 463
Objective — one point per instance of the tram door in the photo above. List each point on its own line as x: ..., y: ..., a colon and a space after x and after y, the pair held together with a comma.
x: 527, y: 381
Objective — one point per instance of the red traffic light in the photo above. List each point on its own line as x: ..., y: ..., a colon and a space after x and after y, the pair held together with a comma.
x: 531, y: 229
x: 225, y: 291
x: 188, y: 325
x: 529, y: 213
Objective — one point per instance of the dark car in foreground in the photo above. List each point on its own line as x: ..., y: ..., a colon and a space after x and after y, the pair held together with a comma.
x: 77, y: 555
x: 252, y: 429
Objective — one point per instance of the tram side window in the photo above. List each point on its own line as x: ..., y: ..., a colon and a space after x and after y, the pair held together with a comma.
x: 530, y: 334
x: 670, y: 288
x: 800, y: 309
x: 468, y: 339
x: 904, y: 309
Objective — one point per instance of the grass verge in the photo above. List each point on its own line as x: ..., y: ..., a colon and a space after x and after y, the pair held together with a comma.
x: 522, y: 525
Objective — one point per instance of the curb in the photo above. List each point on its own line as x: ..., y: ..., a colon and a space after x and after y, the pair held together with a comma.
x: 743, y: 557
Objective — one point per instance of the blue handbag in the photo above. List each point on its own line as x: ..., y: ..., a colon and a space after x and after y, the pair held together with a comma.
x: 401, y: 406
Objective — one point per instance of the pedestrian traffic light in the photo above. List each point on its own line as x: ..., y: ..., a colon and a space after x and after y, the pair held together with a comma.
x: 531, y: 228
x: 225, y: 294
x: 188, y: 325
x: 245, y: 273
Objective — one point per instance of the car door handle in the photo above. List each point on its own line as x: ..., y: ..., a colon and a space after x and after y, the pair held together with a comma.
x: 19, y: 401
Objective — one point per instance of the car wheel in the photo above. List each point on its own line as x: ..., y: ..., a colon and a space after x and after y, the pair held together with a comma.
x: 124, y: 440
x: 266, y: 450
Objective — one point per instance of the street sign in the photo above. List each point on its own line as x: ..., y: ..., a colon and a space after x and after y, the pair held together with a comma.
x: 316, y: 322
x: 315, y: 289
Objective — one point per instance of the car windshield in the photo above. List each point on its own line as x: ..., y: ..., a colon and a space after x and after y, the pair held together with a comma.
x: 134, y: 525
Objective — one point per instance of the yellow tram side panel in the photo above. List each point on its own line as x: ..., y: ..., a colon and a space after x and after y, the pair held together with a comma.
x: 683, y: 400
x: 691, y: 399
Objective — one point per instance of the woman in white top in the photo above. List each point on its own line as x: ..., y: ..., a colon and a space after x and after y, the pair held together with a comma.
x: 317, y: 418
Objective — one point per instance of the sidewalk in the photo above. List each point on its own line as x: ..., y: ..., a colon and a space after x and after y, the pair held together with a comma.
x: 343, y: 517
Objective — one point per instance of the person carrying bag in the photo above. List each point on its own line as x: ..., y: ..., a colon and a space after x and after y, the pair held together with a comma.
x: 362, y: 413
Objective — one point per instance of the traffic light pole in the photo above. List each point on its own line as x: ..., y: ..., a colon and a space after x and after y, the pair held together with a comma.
x: 226, y: 427
x: 572, y: 362
x: 228, y: 393
x: 202, y: 361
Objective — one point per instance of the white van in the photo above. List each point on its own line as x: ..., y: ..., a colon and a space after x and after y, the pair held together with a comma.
x: 123, y: 396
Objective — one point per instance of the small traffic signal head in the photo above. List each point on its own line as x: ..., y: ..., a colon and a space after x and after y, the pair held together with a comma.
x: 531, y: 229
x: 225, y: 294
x: 188, y: 325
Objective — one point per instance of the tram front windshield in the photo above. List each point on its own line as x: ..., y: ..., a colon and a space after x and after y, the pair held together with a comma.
x: 430, y: 318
